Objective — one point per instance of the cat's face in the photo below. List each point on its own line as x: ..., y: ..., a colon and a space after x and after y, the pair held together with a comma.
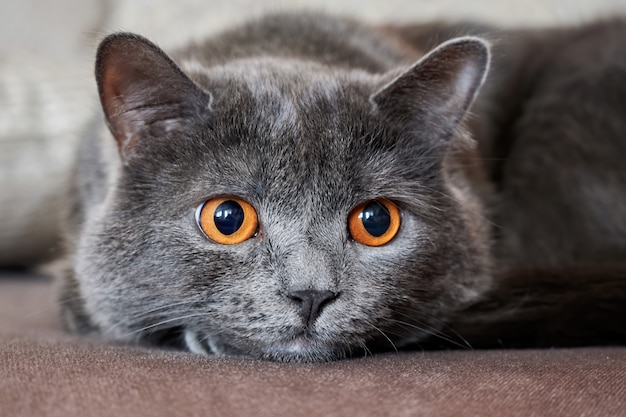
x: 300, y: 147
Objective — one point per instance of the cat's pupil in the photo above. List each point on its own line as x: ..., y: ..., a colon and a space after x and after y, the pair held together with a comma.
x: 228, y: 217
x: 376, y: 218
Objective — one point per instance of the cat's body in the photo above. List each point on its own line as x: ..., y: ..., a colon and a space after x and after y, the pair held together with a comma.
x: 550, y: 125
x: 307, y: 118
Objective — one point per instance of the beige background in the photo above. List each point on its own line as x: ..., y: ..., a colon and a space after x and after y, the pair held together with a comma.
x: 47, y: 91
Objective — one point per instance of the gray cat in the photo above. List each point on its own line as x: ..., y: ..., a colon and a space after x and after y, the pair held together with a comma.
x: 305, y: 188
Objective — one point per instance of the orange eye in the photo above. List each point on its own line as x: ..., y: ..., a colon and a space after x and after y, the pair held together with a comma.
x: 227, y: 220
x: 375, y: 222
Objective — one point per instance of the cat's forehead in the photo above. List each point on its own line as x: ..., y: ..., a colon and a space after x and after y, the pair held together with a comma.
x: 284, y: 130
x: 280, y: 82
x: 269, y: 102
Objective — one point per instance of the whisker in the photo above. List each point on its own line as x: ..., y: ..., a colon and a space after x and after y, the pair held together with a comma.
x: 437, y: 331
x: 431, y: 332
x: 445, y: 325
x: 457, y: 334
x: 365, y: 350
x: 386, y: 337
x: 154, y: 310
x: 161, y: 323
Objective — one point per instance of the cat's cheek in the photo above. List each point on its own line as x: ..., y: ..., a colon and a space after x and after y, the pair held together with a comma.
x: 95, y: 292
x: 95, y: 284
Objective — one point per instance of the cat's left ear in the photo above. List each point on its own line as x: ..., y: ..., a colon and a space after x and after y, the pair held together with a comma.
x: 437, y: 91
x: 144, y: 94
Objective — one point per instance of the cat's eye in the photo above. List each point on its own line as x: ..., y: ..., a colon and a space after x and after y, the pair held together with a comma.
x: 375, y: 222
x: 227, y: 220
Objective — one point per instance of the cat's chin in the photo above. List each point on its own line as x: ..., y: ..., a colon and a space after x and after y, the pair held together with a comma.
x: 299, y: 350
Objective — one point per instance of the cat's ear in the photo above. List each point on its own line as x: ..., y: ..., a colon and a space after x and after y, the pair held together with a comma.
x: 437, y: 91
x: 143, y: 92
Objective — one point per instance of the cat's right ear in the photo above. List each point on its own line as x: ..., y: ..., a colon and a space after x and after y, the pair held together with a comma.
x: 437, y: 91
x: 143, y: 92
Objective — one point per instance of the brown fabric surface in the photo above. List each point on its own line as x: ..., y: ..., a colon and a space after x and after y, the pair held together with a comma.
x: 45, y: 372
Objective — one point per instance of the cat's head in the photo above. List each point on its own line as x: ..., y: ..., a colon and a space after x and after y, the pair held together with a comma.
x: 283, y: 209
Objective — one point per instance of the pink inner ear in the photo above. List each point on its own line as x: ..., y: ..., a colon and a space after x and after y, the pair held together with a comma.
x: 464, y: 83
x: 110, y: 95
x: 112, y: 103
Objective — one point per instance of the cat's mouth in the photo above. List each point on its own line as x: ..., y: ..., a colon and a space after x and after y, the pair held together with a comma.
x: 296, y: 350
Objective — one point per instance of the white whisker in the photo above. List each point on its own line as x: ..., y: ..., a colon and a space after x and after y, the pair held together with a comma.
x: 386, y: 337
x: 161, y: 323
x: 431, y: 331
x: 154, y: 310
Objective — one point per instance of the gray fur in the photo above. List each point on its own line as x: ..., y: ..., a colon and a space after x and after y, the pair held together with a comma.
x: 304, y: 128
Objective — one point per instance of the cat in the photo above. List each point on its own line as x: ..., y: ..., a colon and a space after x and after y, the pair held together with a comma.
x: 306, y: 188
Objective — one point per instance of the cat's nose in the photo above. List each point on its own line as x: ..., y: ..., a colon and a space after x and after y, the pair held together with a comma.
x: 311, y: 303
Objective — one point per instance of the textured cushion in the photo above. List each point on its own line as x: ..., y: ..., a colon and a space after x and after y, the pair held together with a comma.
x: 46, y: 372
